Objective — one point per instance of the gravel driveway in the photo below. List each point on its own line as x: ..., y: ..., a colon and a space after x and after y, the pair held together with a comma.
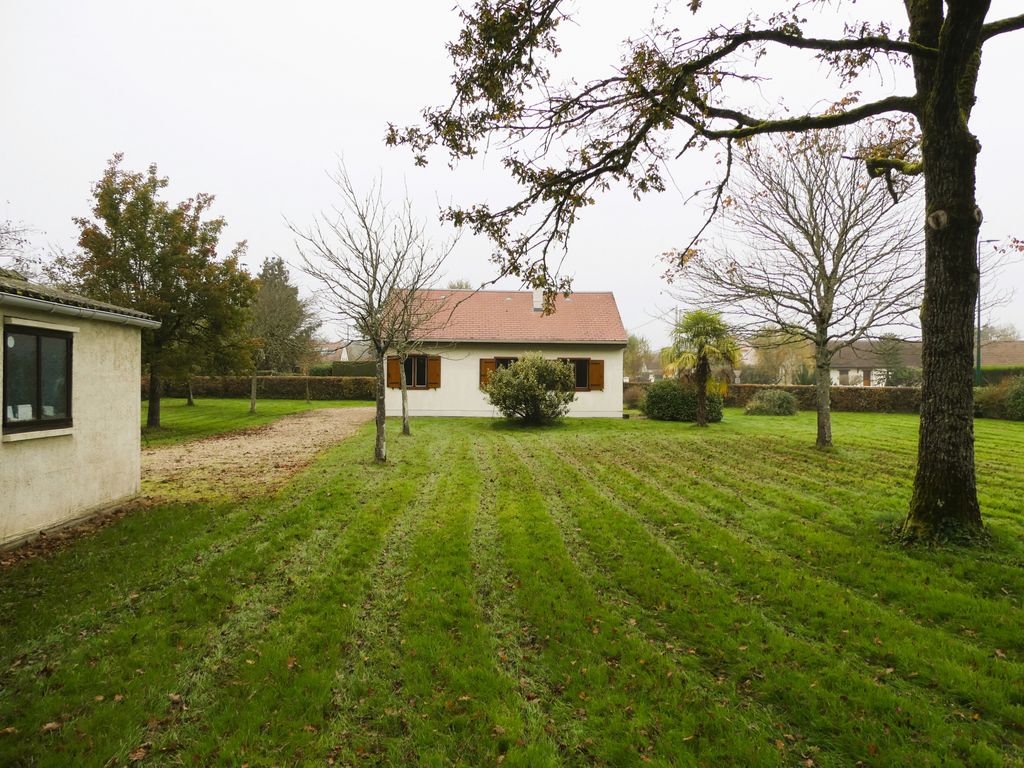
x: 246, y: 463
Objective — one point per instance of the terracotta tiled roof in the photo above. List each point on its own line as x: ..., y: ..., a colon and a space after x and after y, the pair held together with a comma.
x: 1002, y: 353
x: 509, y: 316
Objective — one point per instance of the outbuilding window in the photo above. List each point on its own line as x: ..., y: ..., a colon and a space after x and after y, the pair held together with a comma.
x: 37, y: 379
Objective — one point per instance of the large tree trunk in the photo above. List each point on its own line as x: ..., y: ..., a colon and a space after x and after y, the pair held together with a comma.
x: 701, y: 373
x: 190, y: 400
x: 405, y: 396
x: 153, y: 404
x: 945, y: 499
x: 252, y: 394
x: 380, y: 447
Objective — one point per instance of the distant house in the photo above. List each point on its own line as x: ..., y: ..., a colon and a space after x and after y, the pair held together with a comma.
x: 343, y: 351
x: 861, y: 364
x: 473, y: 333
x: 69, y: 444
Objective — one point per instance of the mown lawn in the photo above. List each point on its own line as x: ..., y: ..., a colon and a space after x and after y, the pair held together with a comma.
x: 180, y: 422
x: 601, y: 593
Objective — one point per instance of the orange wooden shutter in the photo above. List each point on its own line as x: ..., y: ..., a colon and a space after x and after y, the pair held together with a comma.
x: 597, y: 374
x: 486, y: 367
x: 433, y: 372
x: 394, y: 373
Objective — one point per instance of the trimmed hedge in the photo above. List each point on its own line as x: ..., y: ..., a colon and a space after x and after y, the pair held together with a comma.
x: 344, y: 368
x: 283, y: 387
x: 993, y: 375
x: 863, y: 399
x: 669, y: 401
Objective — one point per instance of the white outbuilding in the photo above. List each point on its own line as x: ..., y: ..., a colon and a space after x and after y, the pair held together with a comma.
x: 69, y: 445
x: 472, y: 333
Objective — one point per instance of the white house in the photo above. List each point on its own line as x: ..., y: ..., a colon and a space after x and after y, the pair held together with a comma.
x: 473, y: 333
x: 69, y: 444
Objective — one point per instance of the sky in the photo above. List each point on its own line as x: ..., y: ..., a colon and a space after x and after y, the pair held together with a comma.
x: 256, y: 101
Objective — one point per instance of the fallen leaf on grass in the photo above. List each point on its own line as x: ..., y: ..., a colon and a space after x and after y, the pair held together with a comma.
x: 139, y: 753
x: 9, y: 729
x: 49, y: 727
x: 291, y: 662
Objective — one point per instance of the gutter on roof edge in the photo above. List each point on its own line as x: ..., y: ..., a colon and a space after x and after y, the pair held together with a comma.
x: 610, y: 343
x: 55, y: 308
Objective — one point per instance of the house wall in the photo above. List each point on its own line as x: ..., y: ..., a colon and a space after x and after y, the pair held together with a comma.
x: 66, y: 474
x: 460, y: 393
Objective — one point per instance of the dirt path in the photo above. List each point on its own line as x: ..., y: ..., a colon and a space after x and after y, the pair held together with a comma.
x: 246, y: 463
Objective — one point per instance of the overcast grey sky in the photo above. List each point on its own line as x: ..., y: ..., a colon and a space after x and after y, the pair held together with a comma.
x: 253, y: 101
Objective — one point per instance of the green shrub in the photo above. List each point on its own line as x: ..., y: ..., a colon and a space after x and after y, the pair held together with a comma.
x: 1015, y: 399
x: 772, y: 402
x: 532, y: 390
x: 1004, y: 400
x: 669, y: 400
x: 324, y: 369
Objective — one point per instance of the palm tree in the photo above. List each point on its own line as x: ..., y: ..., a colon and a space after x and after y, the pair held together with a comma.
x: 700, y: 339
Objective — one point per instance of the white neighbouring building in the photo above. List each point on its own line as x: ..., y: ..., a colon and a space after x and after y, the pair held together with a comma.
x: 472, y: 333
x: 69, y: 445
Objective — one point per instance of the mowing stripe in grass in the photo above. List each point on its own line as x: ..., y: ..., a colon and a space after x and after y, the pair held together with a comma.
x: 449, y: 662
x: 780, y: 508
x: 276, y: 687
x: 628, y: 701
x: 757, y: 509
x: 165, y: 628
x: 846, y: 723
x: 922, y: 654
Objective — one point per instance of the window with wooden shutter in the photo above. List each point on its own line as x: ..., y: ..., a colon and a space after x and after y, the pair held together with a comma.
x: 597, y: 374
x: 433, y: 372
x: 487, y: 366
x: 581, y: 372
x: 394, y: 378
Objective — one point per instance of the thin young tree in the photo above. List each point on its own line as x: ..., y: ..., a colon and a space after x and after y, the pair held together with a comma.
x: 369, y: 258
x: 812, y: 249
x: 676, y: 90
x: 701, y: 339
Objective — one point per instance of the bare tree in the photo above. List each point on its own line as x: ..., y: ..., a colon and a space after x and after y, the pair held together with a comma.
x: 811, y: 249
x: 372, y: 261
x: 13, y: 242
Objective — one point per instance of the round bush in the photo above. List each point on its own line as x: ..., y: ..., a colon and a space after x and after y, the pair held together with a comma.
x: 532, y: 390
x: 772, y: 402
x: 668, y: 400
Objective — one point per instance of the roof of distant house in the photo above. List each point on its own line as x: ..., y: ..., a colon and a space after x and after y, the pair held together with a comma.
x: 509, y: 316
x: 64, y: 302
x: 867, y: 354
